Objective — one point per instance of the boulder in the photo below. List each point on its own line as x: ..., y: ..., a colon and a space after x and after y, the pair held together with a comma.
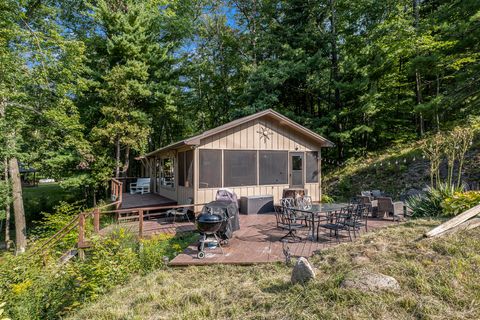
x: 302, y: 271
x: 369, y: 281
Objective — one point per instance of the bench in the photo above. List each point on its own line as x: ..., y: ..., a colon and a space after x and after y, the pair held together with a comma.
x: 141, y: 186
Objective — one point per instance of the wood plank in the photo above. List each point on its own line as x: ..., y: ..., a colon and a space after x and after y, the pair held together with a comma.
x: 144, y: 200
x: 470, y: 213
x: 467, y: 225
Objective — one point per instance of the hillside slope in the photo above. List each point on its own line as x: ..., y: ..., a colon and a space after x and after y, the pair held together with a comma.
x: 398, y: 171
x: 436, y: 277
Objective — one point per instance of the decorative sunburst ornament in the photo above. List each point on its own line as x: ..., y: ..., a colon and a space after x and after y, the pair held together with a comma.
x: 265, y: 134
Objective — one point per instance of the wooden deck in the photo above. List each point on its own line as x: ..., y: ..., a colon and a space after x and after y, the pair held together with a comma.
x: 258, y: 241
x: 144, y: 200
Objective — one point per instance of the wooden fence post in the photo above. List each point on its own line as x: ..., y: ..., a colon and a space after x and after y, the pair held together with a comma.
x: 81, y: 235
x: 112, y: 187
x: 96, y: 220
x: 81, y: 229
x: 140, y: 223
x: 120, y: 195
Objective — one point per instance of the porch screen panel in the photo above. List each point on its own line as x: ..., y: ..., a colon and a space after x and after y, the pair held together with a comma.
x: 189, y: 168
x: 240, y: 168
x: 312, y: 166
x: 273, y: 167
x: 181, y: 169
x: 210, y: 168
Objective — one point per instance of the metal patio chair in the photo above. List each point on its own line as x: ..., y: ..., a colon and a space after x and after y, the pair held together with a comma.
x: 338, y: 224
x: 182, y: 212
x: 291, y: 225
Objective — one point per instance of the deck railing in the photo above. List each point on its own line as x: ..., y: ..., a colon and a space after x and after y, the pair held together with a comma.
x: 117, y: 191
x: 81, y: 220
x: 141, y: 214
x: 77, y: 221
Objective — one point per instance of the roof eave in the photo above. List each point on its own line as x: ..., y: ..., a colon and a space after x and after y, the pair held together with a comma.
x: 175, y: 145
x: 196, y: 140
x: 324, y: 142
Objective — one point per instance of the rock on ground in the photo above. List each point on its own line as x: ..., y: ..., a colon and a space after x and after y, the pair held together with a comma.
x: 302, y: 271
x: 370, y: 281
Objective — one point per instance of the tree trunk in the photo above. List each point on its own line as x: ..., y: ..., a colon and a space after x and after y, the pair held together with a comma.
x: 418, y: 91
x: 335, y: 71
x: 127, y: 161
x: 117, y: 158
x: 437, y: 117
x: 334, y: 54
x: 18, y: 210
x: 3, y: 107
x: 418, y: 78
x: 7, y: 208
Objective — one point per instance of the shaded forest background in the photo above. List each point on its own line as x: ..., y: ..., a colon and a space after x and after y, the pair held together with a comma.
x: 88, y: 85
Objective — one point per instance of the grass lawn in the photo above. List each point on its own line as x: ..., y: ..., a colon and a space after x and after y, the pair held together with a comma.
x: 42, y: 198
x: 45, y: 197
x: 438, y: 278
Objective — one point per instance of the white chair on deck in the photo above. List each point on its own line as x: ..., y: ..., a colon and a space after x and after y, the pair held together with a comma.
x: 141, y: 186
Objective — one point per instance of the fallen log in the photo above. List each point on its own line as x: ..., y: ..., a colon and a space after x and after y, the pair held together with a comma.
x: 452, y: 223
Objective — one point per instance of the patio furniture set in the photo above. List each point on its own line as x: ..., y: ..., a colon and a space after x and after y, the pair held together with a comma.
x: 294, y: 215
x: 333, y: 219
x: 383, y: 206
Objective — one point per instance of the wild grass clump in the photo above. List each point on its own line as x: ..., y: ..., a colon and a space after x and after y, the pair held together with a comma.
x: 437, y: 279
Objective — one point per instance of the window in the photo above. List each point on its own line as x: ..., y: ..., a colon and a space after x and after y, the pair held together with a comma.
x: 181, y: 169
x: 210, y: 166
x: 240, y: 168
x: 185, y: 169
x: 296, y: 162
x: 312, y: 166
x: 189, y: 169
x: 167, y: 169
x: 273, y: 167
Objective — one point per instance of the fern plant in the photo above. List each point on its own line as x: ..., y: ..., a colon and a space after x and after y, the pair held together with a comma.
x: 430, y: 203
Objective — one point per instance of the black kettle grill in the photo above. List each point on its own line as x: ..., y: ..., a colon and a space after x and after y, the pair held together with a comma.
x: 210, y: 222
x: 216, y: 224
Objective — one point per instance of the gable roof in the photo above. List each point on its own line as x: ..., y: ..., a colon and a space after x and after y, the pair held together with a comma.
x: 195, y: 140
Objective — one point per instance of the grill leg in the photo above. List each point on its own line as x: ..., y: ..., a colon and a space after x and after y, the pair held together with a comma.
x: 202, y: 242
x: 218, y: 242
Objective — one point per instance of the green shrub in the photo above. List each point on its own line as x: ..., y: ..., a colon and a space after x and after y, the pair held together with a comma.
x: 430, y: 203
x: 52, y: 222
x: 459, y: 202
x: 153, y: 250
x: 36, y: 289
x: 327, y: 199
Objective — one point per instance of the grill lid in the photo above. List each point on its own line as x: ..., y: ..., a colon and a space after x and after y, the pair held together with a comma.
x: 209, y: 218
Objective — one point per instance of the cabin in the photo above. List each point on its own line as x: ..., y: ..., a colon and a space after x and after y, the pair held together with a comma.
x: 260, y: 154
